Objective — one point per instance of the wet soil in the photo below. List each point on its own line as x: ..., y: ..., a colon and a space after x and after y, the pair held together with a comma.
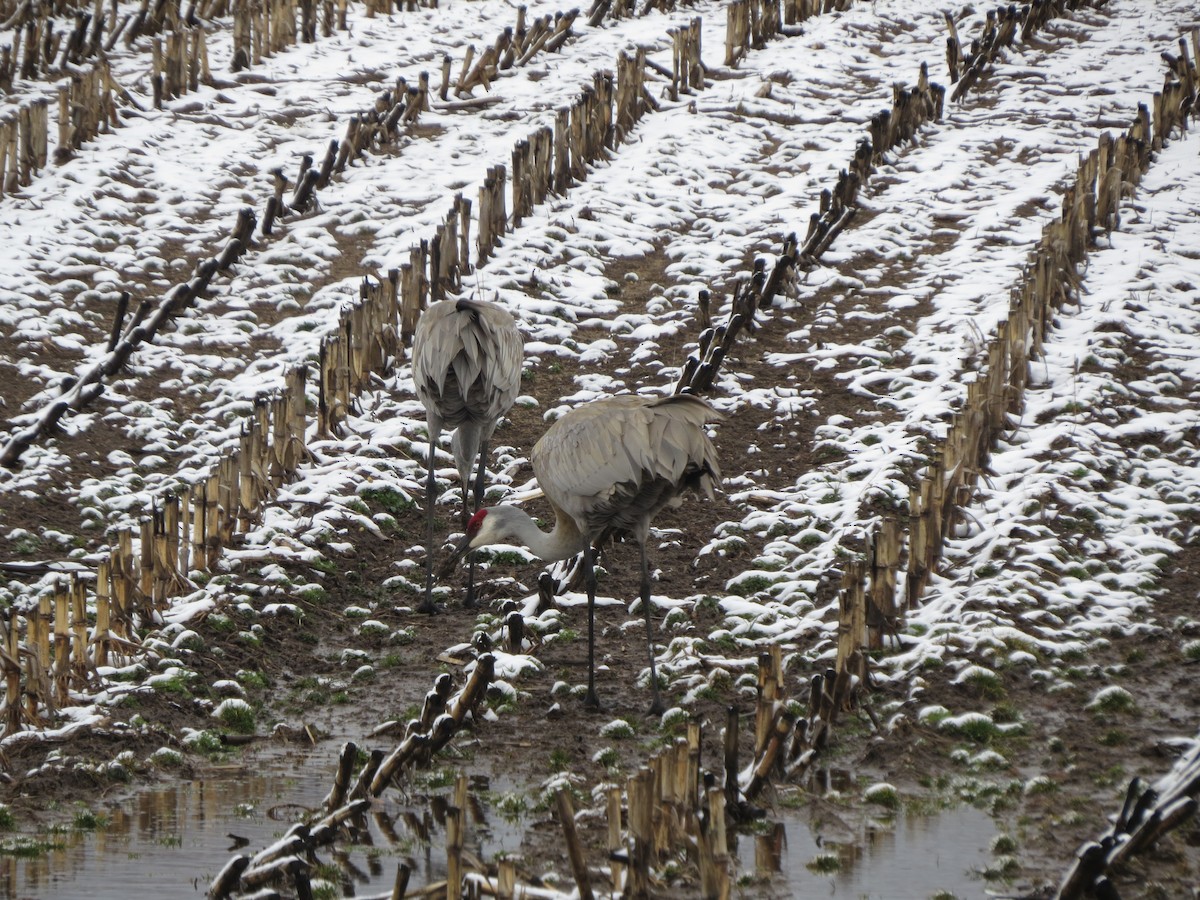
x: 309, y: 690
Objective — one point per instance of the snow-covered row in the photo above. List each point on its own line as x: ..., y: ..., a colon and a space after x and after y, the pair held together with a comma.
x: 168, y: 184
x: 1094, y: 489
x: 712, y: 180
x: 72, y: 255
x: 955, y: 223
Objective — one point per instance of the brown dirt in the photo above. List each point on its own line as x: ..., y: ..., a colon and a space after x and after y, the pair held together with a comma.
x: 1089, y: 761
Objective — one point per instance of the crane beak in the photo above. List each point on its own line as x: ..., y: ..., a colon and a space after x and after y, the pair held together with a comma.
x: 461, y: 549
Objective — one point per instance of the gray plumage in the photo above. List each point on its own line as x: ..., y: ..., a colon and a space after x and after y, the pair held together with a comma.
x: 608, y: 468
x: 612, y: 465
x: 466, y: 369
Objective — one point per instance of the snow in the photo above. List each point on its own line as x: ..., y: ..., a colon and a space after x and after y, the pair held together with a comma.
x: 232, y: 704
x: 1087, y: 496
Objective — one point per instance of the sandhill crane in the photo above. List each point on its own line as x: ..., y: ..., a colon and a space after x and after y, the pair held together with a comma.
x: 466, y: 368
x: 608, y: 467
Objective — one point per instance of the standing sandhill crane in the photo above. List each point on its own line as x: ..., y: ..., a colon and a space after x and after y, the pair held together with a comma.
x: 466, y: 368
x: 608, y: 467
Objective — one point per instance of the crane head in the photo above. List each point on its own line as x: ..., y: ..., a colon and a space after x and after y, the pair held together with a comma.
x: 503, y: 524
x: 464, y: 546
x: 475, y: 526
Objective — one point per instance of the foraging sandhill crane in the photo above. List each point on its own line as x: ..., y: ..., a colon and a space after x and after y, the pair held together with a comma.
x: 466, y: 368
x: 608, y: 467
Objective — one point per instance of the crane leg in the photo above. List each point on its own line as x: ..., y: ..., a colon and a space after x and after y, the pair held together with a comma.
x: 483, y: 455
x: 427, y: 605
x: 469, y: 602
x: 656, y: 705
x: 590, y: 700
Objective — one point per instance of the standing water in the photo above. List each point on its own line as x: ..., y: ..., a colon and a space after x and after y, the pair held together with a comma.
x: 904, y: 858
x: 171, y: 841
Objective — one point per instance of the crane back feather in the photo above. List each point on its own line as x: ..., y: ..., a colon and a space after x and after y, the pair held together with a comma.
x: 613, y: 464
x: 466, y: 368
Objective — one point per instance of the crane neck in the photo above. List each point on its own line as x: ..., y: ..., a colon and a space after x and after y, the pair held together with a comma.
x: 565, y: 541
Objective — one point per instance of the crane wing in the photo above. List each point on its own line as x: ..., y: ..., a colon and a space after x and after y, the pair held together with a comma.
x: 619, y: 460
x: 466, y: 360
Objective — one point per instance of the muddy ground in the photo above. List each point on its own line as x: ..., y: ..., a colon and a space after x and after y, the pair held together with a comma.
x: 1084, y: 759
x: 1059, y: 779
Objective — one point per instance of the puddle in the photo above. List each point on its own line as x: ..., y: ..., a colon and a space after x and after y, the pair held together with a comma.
x: 172, y: 840
x: 905, y: 858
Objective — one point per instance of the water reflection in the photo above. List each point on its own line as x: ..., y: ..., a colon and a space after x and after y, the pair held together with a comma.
x: 769, y: 849
x: 172, y: 840
x: 903, y: 857
x: 164, y: 840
